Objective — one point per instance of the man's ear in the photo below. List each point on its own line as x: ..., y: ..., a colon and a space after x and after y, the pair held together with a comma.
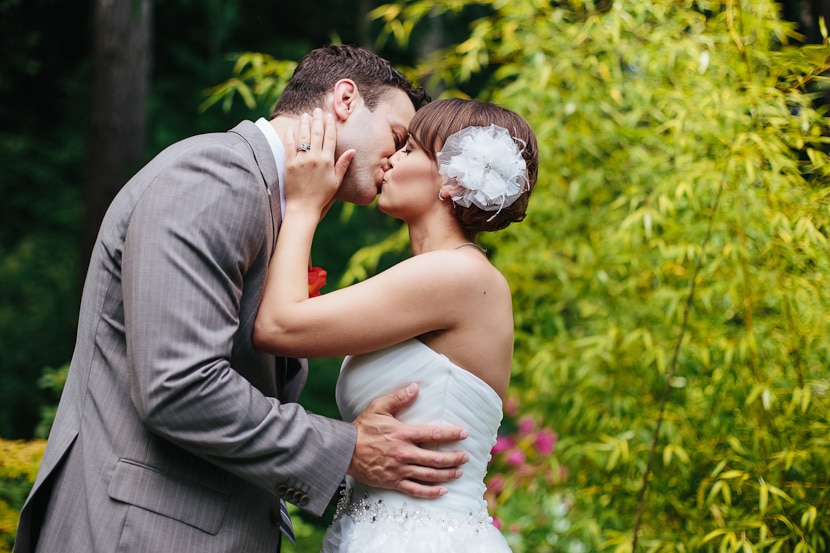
x: 346, y: 98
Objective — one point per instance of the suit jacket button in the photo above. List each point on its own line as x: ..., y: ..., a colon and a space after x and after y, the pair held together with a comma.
x: 304, y: 500
x: 282, y: 490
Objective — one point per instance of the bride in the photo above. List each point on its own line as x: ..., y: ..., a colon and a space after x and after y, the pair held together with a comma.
x: 442, y: 318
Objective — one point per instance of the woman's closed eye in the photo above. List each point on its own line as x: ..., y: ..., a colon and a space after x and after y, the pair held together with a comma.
x: 408, y: 146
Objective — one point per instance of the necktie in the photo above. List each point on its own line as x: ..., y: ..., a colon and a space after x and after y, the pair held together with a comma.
x: 285, y: 522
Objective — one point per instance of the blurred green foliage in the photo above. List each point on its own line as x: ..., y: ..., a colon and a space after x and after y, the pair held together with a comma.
x: 19, y: 461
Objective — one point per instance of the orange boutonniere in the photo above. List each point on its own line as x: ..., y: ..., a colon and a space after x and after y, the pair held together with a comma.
x: 316, y: 280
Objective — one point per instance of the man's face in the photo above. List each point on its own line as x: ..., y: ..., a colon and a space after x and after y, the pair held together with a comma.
x: 376, y: 136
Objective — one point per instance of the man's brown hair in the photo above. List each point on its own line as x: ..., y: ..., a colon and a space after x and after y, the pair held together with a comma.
x: 317, y: 73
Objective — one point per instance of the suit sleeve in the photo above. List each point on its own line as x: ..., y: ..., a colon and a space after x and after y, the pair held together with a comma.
x: 194, y: 233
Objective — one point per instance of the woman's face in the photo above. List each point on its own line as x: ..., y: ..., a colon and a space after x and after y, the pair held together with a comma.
x: 410, y: 185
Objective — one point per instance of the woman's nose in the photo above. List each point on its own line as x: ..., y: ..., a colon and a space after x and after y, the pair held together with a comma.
x: 390, y: 161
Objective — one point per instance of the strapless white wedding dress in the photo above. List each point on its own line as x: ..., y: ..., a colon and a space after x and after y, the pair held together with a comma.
x: 371, y: 520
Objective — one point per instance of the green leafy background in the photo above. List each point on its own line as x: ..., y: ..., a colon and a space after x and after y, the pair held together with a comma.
x: 670, y: 281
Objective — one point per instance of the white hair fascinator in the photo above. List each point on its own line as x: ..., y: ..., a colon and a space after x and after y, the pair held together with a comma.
x: 487, y: 167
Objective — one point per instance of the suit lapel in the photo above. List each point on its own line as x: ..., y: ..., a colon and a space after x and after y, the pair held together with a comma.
x: 264, y: 158
x: 290, y: 376
x: 276, y: 211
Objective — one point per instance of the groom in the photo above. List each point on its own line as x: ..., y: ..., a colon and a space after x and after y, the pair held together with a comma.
x: 173, y: 433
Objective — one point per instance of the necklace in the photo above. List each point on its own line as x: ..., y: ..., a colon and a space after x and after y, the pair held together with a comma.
x: 470, y: 244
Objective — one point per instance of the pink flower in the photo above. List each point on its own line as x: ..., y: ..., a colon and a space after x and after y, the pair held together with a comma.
x: 526, y: 470
x: 511, y: 406
x: 544, y: 442
x: 496, y: 484
x: 497, y: 523
x: 526, y: 425
x: 516, y: 457
x: 503, y: 443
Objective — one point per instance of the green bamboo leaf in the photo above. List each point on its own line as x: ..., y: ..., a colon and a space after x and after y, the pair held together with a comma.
x: 714, y: 534
x: 777, y: 545
x: 780, y: 493
x: 808, y: 519
x: 763, y: 496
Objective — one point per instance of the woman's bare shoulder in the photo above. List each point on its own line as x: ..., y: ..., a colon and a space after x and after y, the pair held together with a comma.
x: 460, y: 273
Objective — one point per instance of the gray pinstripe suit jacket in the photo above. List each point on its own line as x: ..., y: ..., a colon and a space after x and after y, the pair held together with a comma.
x: 169, y: 436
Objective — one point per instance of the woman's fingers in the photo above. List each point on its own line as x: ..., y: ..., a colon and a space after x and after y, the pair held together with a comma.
x: 329, y: 134
x: 304, y: 134
x: 312, y: 175
x: 290, y: 143
x: 317, y: 131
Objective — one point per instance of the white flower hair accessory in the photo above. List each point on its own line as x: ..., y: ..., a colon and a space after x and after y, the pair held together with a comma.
x: 487, y: 166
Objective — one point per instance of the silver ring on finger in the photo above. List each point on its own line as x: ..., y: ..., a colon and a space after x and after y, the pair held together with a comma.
x: 304, y: 147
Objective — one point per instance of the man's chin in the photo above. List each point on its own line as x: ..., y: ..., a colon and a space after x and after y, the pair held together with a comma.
x: 361, y: 197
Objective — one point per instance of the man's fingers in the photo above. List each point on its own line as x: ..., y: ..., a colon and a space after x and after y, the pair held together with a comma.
x: 432, y: 460
x: 390, y: 404
x: 429, y: 433
x: 393, y: 455
x: 428, y: 476
x: 419, y: 490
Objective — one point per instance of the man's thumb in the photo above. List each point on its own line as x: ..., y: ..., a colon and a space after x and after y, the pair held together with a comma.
x: 395, y: 401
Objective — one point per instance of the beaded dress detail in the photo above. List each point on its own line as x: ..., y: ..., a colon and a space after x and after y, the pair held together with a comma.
x: 371, y: 520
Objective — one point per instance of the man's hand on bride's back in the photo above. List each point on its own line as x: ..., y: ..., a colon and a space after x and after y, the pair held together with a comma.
x: 389, y: 453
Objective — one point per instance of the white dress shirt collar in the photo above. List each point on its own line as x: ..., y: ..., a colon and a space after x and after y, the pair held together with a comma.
x: 279, y: 154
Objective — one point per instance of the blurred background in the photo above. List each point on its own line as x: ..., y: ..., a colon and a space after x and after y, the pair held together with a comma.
x: 670, y: 283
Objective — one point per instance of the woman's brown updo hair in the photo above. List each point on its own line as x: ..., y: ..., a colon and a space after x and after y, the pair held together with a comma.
x: 436, y: 121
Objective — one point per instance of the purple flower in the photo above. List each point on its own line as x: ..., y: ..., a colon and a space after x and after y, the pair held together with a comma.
x: 526, y: 425
x: 516, y: 458
x: 511, y: 406
x: 496, y: 484
x: 544, y: 442
x: 503, y: 443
